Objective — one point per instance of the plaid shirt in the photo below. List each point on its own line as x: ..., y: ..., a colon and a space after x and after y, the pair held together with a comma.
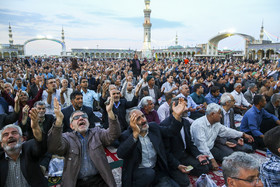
x: 270, y: 172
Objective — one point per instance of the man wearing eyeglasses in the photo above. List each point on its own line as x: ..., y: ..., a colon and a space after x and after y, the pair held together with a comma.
x: 85, y: 159
x: 241, y: 169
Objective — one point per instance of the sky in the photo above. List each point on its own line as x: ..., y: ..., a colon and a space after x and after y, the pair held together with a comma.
x: 118, y: 24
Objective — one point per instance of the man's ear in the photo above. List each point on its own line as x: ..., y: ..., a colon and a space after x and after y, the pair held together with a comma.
x: 71, y: 126
x: 278, y: 150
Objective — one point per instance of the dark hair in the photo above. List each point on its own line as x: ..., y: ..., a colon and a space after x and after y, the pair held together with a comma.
x: 49, y: 78
x: 213, y: 89
x: 168, y: 96
x: 82, y: 79
x: 196, y: 86
x: 74, y: 94
x: 272, y: 141
x: 257, y: 99
x: 170, y: 74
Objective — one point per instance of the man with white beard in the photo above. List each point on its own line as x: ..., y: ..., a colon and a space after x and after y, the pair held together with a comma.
x: 19, y: 162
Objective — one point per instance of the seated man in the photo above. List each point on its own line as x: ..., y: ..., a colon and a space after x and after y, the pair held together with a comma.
x: 213, y: 96
x: 19, y: 162
x: 241, y: 104
x: 249, y: 94
x: 270, y: 170
x: 199, y: 99
x: 273, y: 107
x: 241, y: 169
x: 205, y: 130
x: 85, y: 159
x: 143, y: 152
x: 183, y: 153
x: 229, y: 144
x: 252, y: 120
x: 76, y: 98
x: 147, y: 107
x: 164, y: 109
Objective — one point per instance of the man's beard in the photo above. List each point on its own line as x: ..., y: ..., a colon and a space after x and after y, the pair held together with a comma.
x: 14, y: 149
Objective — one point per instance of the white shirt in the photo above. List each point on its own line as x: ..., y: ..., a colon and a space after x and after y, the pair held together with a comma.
x: 66, y: 96
x: 163, y: 111
x: 89, y: 96
x: 239, y: 98
x: 204, y: 134
x: 50, y: 107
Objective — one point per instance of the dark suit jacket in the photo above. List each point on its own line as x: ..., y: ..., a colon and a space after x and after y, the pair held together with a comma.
x: 131, y: 151
x: 120, y: 111
x: 223, y: 140
x: 92, y: 118
x: 33, y: 91
x: 157, y: 91
x: 30, y: 156
x: 47, y: 124
x: 175, y: 145
x: 270, y: 108
x: 248, y: 96
x: 8, y: 119
x: 231, y: 118
x: 133, y: 65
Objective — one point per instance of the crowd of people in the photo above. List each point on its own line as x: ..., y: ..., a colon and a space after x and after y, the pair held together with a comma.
x: 168, y: 119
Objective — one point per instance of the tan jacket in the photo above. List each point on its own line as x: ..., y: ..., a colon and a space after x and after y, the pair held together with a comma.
x: 69, y: 146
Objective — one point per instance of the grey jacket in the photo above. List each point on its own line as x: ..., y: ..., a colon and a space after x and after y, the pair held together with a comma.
x: 69, y: 146
x: 249, y: 96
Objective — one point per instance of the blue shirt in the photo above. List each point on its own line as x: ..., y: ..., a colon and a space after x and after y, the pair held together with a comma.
x: 252, y: 120
x: 89, y: 96
x: 211, y: 99
x: 23, y: 88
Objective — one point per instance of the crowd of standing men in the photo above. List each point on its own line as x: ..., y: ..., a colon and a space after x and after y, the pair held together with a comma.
x: 168, y: 119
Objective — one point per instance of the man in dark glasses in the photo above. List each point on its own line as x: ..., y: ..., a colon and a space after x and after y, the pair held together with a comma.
x: 83, y: 148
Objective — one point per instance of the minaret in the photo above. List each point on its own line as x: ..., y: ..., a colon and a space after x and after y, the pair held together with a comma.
x: 146, y: 52
x: 11, y: 41
x: 62, y: 35
x: 63, y: 41
x: 261, y: 33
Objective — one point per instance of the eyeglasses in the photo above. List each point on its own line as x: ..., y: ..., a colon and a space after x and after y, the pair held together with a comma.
x: 78, y: 117
x: 251, y: 181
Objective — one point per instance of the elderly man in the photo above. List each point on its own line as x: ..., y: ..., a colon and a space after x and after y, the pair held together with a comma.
x: 249, y: 94
x: 181, y: 150
x: 273, y: 107
x: 145, y: 161
x: 270, y: 170
x: 85, y: 159
x: 205, y: 130
x: 147, y: 107
x: 49, y: 94
x: 229, y: 144
x: 253, y: 118
x: 45, y: 121
x: 241, y: 104
x: 19, y: 162
x: 66, y: 92
x: 241, y: 169
x: 120, y: 106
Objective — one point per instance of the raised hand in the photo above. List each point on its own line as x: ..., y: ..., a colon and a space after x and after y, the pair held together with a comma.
x: 138, y: 87
x: 35, y: 124
x: 134, y: 126
x: 57, y: 111
x: 179, y: 109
